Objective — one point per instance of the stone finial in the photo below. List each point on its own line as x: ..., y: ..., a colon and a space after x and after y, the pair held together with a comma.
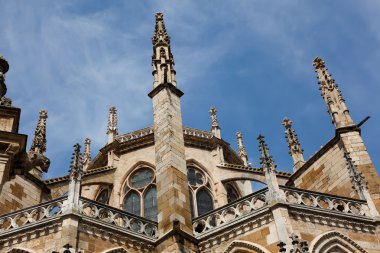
x: 160, y: 35
x: 332, y: 95
x: 87, y: 153
x: 39, y: 141
x: 112, y: 124
x: 162, y: 58
x: 295, y: 149
x: 266, y: 160
x: 215, y: 129
x: 241, y: 148
x: 76, y: 165
x: 4, y: 67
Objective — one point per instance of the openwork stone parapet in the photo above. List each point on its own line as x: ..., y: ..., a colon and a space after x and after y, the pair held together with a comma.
x: 32, y: 216
x: 119, y: 219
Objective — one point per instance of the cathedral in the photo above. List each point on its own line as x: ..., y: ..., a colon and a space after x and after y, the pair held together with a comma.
x: 171, y: 188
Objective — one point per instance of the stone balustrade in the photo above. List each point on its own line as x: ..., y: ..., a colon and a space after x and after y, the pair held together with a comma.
x: 248, y: 205
x: 33, y: 215
x: 253, y: 203
x: 115, y: 217
x: 328, y: 202
x: 135, y: 135
x: 149, y: 130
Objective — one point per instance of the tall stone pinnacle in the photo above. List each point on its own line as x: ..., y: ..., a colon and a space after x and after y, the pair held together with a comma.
x: 162, y: 58
x: 169, y: 145
x: 87, y: 153
x: 241, y: 148
x: 266, y: 160
x: 39, y: 141
x: 215, y: 129
x: 76, y: 165
x: 332, y: 95
x: 112, y: 124
x: 295, y: 149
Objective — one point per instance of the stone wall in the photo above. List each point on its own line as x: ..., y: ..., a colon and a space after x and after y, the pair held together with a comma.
x: 20, y: 192
x: 328, y: 174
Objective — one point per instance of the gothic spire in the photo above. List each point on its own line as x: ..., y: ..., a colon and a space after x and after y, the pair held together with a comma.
x: 162, y: 59
x: 39, y: 142
x: 241, y: 148
x: 293, y: 143
x: 76, y: 166
x: 215, y: 129
x: 87, y: 153
x: 266, y: 160
x: 332, y: 95
x: 112, y: 124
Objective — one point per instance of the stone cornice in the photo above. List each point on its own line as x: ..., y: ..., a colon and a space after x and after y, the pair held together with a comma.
x: 85, y: 174
x: 162, y: 86
x: 252, y: 169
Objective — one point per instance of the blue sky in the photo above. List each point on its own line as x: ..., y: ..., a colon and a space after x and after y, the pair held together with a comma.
x: 252, y: 60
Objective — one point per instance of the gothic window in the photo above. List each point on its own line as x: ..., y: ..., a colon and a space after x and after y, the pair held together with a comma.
x: 140, y: 194
x: 201, y: 199
x: 103, y: 196
x: 232, y: 193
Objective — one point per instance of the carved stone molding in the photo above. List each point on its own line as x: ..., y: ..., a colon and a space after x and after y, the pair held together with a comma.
x: 235, y: 230
x: 333, y: 239
x: 331, y: 220
x: 112, y: 236
x: 237, y: 245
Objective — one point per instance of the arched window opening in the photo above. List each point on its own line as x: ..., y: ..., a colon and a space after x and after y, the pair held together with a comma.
x: 132, y: 203
x: 204, y: 202
x: 232, y: 193
x: 201, y: 199
x: 103, y: 196
x: 140, y: 193
x: 150, y: 204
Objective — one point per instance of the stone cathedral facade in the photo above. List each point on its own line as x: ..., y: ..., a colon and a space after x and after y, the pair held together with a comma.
x: 171, y: 188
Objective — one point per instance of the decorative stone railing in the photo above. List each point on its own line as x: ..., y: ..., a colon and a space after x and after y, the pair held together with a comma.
x: 232, y: 212
x: 149, y: 130
x: 135, y: 135
x: 36, y: 214
x: 118, y: 218
x: 325, y: 202
x: 197, y: 133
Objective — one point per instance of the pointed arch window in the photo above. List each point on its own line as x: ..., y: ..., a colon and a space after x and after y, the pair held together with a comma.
x: 232, y: 193
x: 103, y: 196
x: 201, y: 198
x: 140, y: 193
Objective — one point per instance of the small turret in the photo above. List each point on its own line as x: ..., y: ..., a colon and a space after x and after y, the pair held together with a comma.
x: 241, y: 148
x: 295, y: 149
x: 112, y: 124
x: 332, y: 95
x: 215, y: 129
x: 40, y: 163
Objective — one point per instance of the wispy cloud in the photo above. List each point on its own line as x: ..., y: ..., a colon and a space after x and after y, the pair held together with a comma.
x: 251, y: 59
